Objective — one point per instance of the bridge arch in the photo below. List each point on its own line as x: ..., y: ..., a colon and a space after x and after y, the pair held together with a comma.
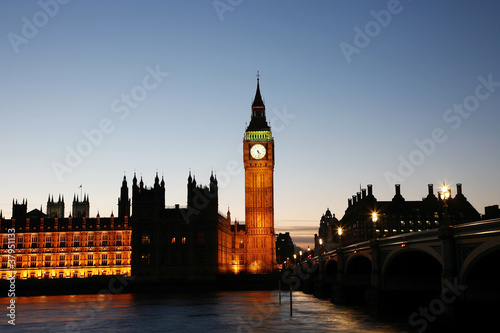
x: 358, y: 277
x: 358, y: 264
x: 477, y: 254
x: 412, y: 268
x: 481, y: 273
x: 411, y: 277
x: 331, y: 270
x: 398, y: 251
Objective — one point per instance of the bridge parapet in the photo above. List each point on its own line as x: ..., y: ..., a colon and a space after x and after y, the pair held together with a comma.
x: 485, y: 227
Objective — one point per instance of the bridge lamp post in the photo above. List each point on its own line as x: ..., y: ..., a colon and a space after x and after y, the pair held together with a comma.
x: 321, y: 246
x: 374, y: 220
x: 445, y: 195
x: 300, y: 255
x: 339, y: 231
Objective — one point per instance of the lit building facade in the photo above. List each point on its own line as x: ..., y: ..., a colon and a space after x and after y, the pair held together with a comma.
x: 35, y: 245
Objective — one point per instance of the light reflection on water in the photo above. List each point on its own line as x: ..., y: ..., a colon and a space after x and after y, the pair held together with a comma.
x: 244, y: 311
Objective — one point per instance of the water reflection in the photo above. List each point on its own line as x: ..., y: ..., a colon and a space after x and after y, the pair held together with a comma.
x: 250, y: 311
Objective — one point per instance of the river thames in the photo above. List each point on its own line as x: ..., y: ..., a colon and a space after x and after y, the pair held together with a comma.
x: 228, y: 311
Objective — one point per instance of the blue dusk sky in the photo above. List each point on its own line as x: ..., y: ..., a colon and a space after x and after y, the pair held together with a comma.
x: 357, y: 93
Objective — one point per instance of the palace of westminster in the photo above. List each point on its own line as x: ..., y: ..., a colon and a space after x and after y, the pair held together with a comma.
x: 150, y: 241
x: 154, y: 242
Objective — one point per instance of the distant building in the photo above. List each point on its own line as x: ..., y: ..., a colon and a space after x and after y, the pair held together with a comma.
x: 284, y: 247
x: 326, y: 239
x: 394, y: 217
x: 491, y: 212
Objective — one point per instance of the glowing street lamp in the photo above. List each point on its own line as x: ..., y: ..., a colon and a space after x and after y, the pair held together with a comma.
x: 339, y: 231
x: 445, y: 195
x: 374, y: 220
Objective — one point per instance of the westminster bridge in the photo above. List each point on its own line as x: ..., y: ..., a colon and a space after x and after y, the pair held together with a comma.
x: 440, y: 268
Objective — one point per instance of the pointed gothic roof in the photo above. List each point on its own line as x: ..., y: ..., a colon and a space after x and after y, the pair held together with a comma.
x: 257, y: 101
x: 258, y: 121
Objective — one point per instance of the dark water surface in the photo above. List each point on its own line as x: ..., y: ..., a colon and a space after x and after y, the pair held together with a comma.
x: 235, y: 311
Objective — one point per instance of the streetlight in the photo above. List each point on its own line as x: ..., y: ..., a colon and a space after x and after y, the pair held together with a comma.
x: 445, y: 195
x: 445, y: 192
x: 300, y: 255
x: 374, y: 220
x: 339, y: 231
x: 295, y: 258
x: 320, y: 246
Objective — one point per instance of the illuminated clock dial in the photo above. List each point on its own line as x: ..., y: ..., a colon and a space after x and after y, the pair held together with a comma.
x: 258, y: 151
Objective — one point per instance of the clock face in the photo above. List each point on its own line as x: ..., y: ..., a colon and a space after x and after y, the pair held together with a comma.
x: 258, y: 151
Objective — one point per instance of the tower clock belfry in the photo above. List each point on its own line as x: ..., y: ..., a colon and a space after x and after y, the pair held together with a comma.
x: 258, y: 159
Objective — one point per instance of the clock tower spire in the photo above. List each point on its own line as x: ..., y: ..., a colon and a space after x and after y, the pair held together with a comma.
x: 258, y: 158
x: 258, y: 121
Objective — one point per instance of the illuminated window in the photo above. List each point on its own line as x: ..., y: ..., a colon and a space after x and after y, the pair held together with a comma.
x: 76, y: 260
x: 119, y: 239
x: 62, y: 240
x: 118, y: 258
x: 19, y: 242
x: 48, y: 240
x: 19, y: 262
x: 91, y: 240
x: 4, y: 261
x: 241, y: 244
x: 145, y: 239
x: 104, y: 259
x: 76, y: 240
x: 90, y: 260
x: 183, y: 240
x: 105, y: 239
x: 62, y: 258
x: 34, y: 241
x: 173, y: 240
x: 47, y: 261
x: 32, y: 261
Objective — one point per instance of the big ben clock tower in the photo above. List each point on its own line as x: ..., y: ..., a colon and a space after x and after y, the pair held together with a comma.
x: 258, y: 158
